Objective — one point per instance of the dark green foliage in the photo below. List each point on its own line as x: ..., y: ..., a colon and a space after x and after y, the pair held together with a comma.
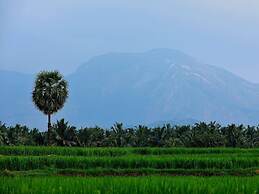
x: 251, y: 136
x: 206, y: 135
x: 3, y: 135
x: 198, y: 135
x: 19, y: 135
x: 64, y: 135
x: 50, y: 92
x: 37, y: 137
x: 92, y: 137
x: 143, y: 136
x: 234, y: 135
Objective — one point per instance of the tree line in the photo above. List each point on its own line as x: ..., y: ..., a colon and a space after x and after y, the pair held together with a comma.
x: 198, y: 135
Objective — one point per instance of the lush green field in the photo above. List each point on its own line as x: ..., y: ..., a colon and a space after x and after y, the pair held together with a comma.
x: 79, y: 151
x: 49, y: 170
x: 130, y: 185
x: 127, y: 161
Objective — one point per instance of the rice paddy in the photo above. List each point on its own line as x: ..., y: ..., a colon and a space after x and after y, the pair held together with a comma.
x: 128, y: 170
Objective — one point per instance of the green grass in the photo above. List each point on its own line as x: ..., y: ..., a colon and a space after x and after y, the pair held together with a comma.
x: 65, y: 151
x: 138, y: 161
x: 156, y: 162
x: 130, y: 185
x: 128, y: 170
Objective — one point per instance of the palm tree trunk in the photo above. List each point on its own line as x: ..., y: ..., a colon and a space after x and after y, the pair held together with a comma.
x: 49, y: 128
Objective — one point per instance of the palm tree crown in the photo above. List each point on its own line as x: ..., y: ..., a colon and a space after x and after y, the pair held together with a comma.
x: 50, y: 92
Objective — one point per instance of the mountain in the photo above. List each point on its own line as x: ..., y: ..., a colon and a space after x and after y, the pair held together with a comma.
x: 142, y: 88
x: 15, y: 99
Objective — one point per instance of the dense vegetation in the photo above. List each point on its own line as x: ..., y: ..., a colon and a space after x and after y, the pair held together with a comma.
x: 51, y: 168
x: 129, y: 185
x: 127, y: 161
x: 198, y: 135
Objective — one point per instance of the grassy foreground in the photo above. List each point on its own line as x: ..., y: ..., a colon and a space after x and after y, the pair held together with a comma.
x: 128, y: 170
x: 130, y: 185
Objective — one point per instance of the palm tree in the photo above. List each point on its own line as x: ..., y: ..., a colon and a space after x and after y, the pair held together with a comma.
x: 64, y: 134
x: 50, y: 93
x: 118, y: 134
x: 3, y: 134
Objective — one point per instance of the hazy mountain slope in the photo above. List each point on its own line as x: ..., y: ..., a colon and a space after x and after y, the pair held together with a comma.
x: 159, y: 85
x: 15, y: 99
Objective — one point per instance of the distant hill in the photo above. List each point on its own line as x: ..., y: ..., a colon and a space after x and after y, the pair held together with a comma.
x: 140, y: 88
x: 15, y: 99
x: 173, y: 122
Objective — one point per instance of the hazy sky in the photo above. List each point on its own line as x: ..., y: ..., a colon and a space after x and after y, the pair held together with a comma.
x: 60, y: 34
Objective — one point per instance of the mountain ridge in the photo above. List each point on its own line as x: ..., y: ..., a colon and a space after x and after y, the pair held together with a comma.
x: 143, y: 88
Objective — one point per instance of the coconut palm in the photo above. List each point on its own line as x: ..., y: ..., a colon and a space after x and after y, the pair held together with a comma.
x: 50, y: 93
x: 3, y: 134
x: 64, y: 134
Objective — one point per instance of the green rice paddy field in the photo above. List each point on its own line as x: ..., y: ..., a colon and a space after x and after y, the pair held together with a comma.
x: 128, y: 170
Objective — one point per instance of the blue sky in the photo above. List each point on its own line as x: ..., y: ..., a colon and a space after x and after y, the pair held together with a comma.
x: 59, y: 34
